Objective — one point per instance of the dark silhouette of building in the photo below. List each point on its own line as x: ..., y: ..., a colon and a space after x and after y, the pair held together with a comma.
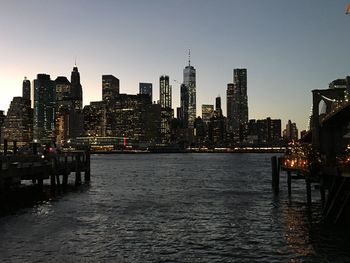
x: 218, y: 105
x: 44, y: 108
x: 207, y: 113
x: 76, y: 89
x: 239, y: 102
x: 184, y: 101
x: 189, y: 75
x: 26, y: 90
x: 291, y: 132
x: 264, y: 132
x: 229, y: 106
x: 146, y: 88
x: 110, y: 88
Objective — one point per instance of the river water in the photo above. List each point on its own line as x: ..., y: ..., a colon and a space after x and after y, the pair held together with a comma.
x: 174, y: 208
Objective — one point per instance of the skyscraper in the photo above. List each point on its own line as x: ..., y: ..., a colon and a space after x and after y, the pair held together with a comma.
x: 76, y: 89
x: 184, y: 101
x: 26, y: 90
x: 146, y: 88
x: 166, y: 110
x: 110, y: 88
x: 44, y: 104
x: 229, y: 105
x: 239, y: 114
x: 218, y: 105
x: 164, y: 92
x: 190, y: 82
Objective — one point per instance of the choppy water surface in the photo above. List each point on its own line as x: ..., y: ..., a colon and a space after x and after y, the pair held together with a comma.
x: 174, y: 208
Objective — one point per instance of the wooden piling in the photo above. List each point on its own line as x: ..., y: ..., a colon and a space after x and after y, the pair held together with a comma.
x: 275, y: 175
x: 66, y: 171
x: 87, y: 166
x: 77, y: 170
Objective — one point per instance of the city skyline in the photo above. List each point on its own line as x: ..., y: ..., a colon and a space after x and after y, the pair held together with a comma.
x: 288, y: 49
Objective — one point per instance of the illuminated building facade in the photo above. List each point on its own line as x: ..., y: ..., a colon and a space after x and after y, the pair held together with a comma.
x: 18, y: 124
x: 239, y: 108
x: 189, y: 80
x: 166, y: 111
x: 44, y: 108
x: 110, y: 88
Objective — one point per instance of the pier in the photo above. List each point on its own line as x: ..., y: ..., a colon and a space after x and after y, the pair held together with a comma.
x: 55, y: 167
x: 322, y: 156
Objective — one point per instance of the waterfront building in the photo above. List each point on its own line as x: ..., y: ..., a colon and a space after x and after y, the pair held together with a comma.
x: 76, y: 89
x: 239, y: 108
x: 189, y: 80
x: 146, y: 88
x: 18, y: 125
x: 264, y: 132
x: 110, y: 88
x: 130, y: 117
x: 184, y: 104
x: 26, y: 90
x: 44, y: 105
x: 338, y: 83
x: 291, y: 132
x: 95, y: 119
x: 217, y: 130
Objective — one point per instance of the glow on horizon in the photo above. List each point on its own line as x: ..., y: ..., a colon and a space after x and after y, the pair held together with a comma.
x: 289, y: 48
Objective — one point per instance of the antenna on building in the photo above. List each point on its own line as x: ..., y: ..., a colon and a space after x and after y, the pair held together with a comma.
x: 189, y: 57
x: 75, y: 61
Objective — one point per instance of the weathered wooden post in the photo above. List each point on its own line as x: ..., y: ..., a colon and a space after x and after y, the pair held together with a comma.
x: 87, y: 165
x: 308, y: 190
x: 53, y: 174
x: 289, y: 181
x: 35, y: 148
x: 275, y: 175
x: 77, y: 169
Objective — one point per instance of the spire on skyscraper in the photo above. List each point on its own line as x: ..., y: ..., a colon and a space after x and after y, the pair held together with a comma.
x: 189, y: 57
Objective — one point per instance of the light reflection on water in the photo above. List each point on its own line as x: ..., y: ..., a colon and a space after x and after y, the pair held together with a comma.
x: 175, y: 208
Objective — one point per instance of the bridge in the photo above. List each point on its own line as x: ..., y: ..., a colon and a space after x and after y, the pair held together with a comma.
x: 322, y: 155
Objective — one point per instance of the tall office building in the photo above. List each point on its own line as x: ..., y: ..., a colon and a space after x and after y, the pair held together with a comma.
x: 229, y: 106
x: 146, y: 88
x: 166, y: 110
x: 218, y: 105
x: 291, y: 132
x: 76, y: 89
x: 190, y: 82
x: 26, y: 90
x: 164, y: 92
x: 110, y: 88
x: 44, y: 104
x: 18, y: 123
x: 184, y: 103
x: 239, y: 109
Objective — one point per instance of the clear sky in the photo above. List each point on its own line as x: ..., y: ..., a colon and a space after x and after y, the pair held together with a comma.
x: 288, y: 47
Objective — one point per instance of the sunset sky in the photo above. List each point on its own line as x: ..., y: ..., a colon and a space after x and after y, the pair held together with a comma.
x: 288, y: 47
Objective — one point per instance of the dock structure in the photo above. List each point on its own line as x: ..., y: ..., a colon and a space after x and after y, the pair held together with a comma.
x: 322, y: 156
x: 37, y: 168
